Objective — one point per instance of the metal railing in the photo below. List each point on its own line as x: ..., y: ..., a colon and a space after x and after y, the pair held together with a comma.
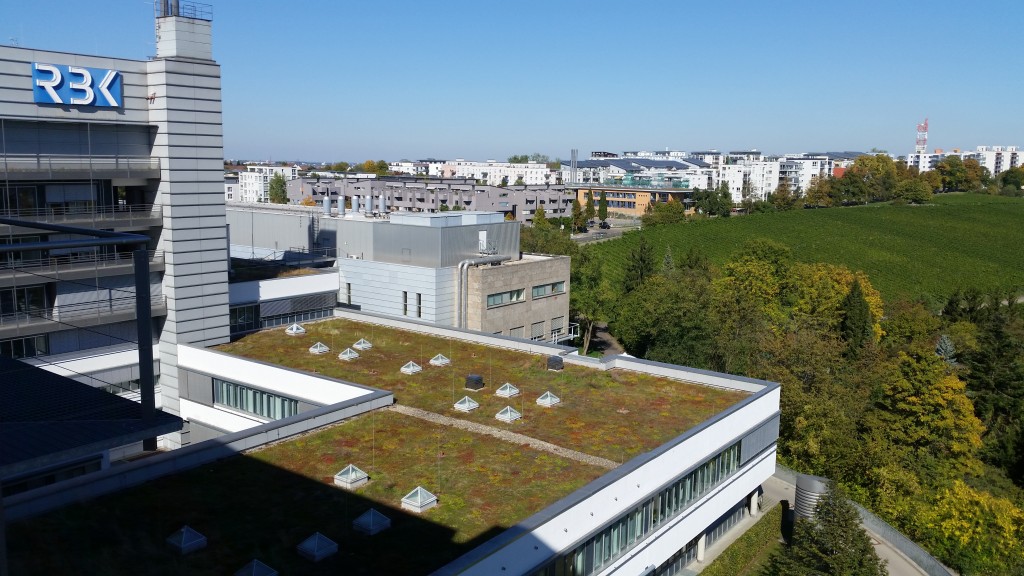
x: 55, y: 164
x: 561, y: 334
x: 98, y: 309
x: 55, y: 214
x: 65, y: 262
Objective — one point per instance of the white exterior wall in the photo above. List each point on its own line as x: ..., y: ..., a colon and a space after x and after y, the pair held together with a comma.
x: 998, y: 158
x: 280, y: 288
x: 377, y: 288
x: 574, y: 525
x: 532, y: 173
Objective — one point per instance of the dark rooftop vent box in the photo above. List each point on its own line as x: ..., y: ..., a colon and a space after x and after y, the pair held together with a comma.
x: 474, y: 382
x: 555, y: 363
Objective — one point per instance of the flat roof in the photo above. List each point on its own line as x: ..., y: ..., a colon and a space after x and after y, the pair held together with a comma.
x: 265, y: 502
x: 46, y: 418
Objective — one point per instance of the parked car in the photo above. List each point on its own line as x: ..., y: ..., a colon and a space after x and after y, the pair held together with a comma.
x: 604, y: 225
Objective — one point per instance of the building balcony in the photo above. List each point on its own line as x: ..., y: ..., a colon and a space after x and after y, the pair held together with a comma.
x: 52, y: 166
x: 559, y: 335
x: 72, y: 267
x: 79, y: 315
x: 121, y: 215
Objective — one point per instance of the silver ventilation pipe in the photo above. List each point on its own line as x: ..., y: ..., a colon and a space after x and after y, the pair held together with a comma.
x: 462, y: 304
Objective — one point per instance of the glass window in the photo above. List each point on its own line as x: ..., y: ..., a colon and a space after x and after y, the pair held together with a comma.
x: 502, y: 298
x: 257, y: 402
x: 548, y: 289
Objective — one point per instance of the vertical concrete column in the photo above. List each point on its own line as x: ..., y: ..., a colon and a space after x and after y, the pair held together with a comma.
x: 186, y: 112
x: 753, y: 508
x: 702, y: 544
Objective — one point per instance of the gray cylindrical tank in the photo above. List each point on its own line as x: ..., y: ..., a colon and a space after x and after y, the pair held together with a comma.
x: 341, y: 205
x: 809, y: 490
x: 355, y: 204
x: 382, y: 206
x: 327, y: 205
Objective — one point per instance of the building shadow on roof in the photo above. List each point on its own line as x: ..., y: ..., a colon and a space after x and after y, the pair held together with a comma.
x: 247, y: 509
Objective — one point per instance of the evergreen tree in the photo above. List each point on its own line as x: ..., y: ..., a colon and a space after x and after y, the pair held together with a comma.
x: 602, y: 207
x: 640, y: 265
x: 946, y: 350
x: 668, y: 264
x: 589, y: 211
x: 832, y: 543
x: 539, y: 219
x: 855, y: 327
x: 578, y: 222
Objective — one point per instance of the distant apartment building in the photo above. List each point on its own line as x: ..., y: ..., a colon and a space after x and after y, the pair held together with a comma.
x: 231, y: 188
x: 998, y: 158
x: 496, y: 173
x: 750, y: 179
x: 801, y: 172
x: 254, y: 183
x: 683, y: 174
x: 429, y: 167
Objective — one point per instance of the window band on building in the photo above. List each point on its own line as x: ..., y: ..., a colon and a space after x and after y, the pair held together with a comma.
x: 600, y: 550
x: 256, y: 402
x: 502, y: 298
x: 545, y: 290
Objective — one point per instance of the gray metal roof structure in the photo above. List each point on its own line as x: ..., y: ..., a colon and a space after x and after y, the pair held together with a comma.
x: 46, y: 419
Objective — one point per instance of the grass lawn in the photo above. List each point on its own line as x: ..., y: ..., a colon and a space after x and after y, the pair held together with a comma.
x: 262, y: 504
x: 751, y: 551
x: 615, y: 414
x: 957, y: 240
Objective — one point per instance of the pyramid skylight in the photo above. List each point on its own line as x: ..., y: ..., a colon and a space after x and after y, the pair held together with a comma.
x: 419, y: 500
x: 317, y: 547
x: 507, y: 390
x: 371, y: 522
x: 187, y: 540
x: 467, y: 404
x: 362, y: 344
x: 295, y: 330
x: 351, y: 477
x: 319, y: 348
x: 548, y: 399
x: 256, y: 568
x: 411, y: 368
x: 348, y: 354
x: 508, y: 414
x: 440, y: 360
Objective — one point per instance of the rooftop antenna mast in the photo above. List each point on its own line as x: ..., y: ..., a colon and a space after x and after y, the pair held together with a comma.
x: 922, y: 138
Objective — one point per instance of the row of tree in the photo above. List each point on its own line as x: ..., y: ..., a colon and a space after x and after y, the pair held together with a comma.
x: 920, y: 416
x: 905, y: 408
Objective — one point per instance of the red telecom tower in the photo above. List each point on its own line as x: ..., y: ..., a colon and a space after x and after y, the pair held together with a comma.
x: 922, y: 138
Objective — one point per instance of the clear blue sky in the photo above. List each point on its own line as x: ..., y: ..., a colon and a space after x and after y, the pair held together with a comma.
x: 338, y: 80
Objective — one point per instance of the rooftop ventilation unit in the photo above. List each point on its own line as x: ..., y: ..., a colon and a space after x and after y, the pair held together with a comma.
x: 548, y: 399
x: 507, y: 390
x: 371, y: 522
x: 187, y: 540
x: 419, y: 500
x: 319, y: 348
x: 467, y: 404
x: 411, y: 368
x: 440, y: 360
x: 295, y: 330
x: 362, y: 344
x: 555, y: 363
x: 508, y: 414
x: 317, y: 547
x: 351, y: 477
x: 348, y: 355
x: 474, y: 382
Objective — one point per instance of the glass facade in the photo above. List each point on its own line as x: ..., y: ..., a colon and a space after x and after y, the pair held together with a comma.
x: 257, y: 402
x: 622, y: 534
x: 25, y: 347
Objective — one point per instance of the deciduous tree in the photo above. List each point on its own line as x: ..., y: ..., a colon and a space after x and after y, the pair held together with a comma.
x: 278, y: 190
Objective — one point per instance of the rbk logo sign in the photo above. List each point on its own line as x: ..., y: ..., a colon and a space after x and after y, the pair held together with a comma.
x: 76, y: 86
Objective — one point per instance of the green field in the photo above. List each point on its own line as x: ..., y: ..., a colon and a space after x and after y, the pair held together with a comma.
x: 957, y: 240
